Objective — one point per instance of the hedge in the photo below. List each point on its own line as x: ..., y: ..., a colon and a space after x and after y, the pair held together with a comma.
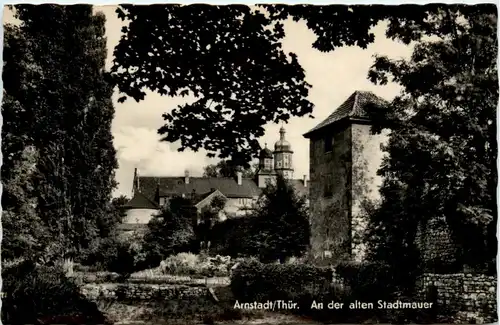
x: 34, y: 294
x: 366, y: 282
x: 255, y: 281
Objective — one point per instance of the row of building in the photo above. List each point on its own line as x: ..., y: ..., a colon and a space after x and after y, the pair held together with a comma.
x: 344, y: 159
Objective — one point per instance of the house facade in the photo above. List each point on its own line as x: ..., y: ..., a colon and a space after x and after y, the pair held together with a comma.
x: 150, y: 193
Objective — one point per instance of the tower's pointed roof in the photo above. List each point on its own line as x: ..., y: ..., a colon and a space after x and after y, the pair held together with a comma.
x: 353, y: 107
x: 265, y: 153
x: 282, y: 145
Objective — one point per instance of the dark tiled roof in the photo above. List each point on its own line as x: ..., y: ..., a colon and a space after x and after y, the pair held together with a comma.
x: 266, y: 153
x: 169, y: 186
x: 204, y: 196
x: 140, y: 201
x: 353, y: 107
x: 211, y: 194
x: 204, y: 186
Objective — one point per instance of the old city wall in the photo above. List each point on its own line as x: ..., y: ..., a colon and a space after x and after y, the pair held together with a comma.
x: 329, y: 205
x: 435, y: 243
x: 131, y: 291
x: 367, y: 158
x: 467, y: 298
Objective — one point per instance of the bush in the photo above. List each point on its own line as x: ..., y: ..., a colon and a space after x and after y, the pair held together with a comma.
x: 172, y: 231
x: 233, y: 237
x: 255, y: 281
x: 33, y: 293
x: 373, y: 281
x: 196, y: 265
x: 115, y: 255
x: 368, y: 282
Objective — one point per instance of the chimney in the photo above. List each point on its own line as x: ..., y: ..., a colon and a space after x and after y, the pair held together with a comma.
x: 239, y: 177
x: 186, y: 176
x: 135, y: 187
x: 305, y: 181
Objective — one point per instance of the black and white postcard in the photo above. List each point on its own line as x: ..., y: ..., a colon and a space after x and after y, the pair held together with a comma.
x: 233, y: 164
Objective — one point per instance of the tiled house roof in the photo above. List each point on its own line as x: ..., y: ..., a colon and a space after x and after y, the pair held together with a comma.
x: 140, y: 201
x: 353, y: 107
x: 170, y: 186
x: 154, y: 187
x: 205, y: 199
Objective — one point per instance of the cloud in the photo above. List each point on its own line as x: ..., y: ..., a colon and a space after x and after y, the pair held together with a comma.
x: 142, y: 148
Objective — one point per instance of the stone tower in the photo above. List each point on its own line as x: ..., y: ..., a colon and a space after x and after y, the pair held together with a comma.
x: 266, y: 168
x: 344, y: 159
x: 283, y: 156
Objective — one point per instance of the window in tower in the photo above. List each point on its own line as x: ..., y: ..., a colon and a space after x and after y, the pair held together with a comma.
x: 285, y: 161
x: 278, y: 164
x: 328, y: 144
x: 267, y: 163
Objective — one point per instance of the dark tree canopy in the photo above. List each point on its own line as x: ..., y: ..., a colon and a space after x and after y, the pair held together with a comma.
x: 57, y: 101
x: 172, y: 230
x: 225, y: 168
x: 443, y: 148
x: 282, y: 227
x: 231, y: 59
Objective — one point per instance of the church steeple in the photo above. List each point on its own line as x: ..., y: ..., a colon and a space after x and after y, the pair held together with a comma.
x: 283, y: 156
x: 265, y: 160
x: 282, y: 133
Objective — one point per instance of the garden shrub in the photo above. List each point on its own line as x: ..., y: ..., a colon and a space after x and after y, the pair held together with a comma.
x: 115, y: 255
x: 371, y: 282
x: 182, y: 263
x: 255, y: 281
x: 34, y: 294
x: 196, y: 265
x: 368, y: 282
x: 234, y: 237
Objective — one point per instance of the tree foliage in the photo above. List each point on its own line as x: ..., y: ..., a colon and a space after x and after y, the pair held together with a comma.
x: 226, y: 168
x: 443, y: 149
x: 282, y: 228
x: 209, y: 215
x: 57, y: 99
x: 172, y: 230
x: 115, y: 214
x: 24, y: 233
x: 230, y: 58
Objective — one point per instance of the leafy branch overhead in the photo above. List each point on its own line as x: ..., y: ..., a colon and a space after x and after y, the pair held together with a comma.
x: 229, y: 57
x: 231, y: 60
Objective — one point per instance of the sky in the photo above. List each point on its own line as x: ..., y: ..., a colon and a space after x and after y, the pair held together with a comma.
x: 334, y: 77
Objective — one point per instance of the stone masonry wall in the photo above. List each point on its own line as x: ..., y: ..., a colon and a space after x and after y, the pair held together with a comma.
x: 435, y: 243
x: 330, y: 211
x: 367, y: 158
x: 467, y: 298
x: 130, y: 291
